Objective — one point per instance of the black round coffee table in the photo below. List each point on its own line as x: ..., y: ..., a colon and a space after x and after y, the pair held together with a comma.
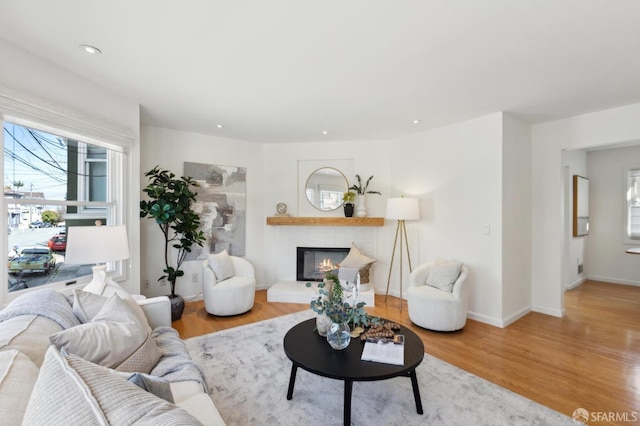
x: 310, y: 351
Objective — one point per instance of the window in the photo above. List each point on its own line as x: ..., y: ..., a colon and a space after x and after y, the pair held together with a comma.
x: 633, y: 205
x: 95, y: 170
x: 52, y: 182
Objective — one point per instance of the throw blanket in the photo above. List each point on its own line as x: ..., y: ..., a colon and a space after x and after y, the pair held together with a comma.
x: 47, y: 302
x: 176, y: 364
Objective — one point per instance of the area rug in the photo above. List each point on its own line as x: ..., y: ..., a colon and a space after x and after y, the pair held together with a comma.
x: 248, y: 374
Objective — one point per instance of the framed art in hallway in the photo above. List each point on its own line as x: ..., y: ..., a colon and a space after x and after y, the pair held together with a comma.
x: 221, y: 204
x: 580, y: 206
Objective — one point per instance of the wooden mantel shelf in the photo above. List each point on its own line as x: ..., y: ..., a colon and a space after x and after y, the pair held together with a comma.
x: 325, y: 221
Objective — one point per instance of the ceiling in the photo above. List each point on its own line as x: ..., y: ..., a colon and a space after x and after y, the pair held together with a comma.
x: 289, y: 70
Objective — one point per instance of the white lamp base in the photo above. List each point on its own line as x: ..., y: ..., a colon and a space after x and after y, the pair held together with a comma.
x: 99, y: 280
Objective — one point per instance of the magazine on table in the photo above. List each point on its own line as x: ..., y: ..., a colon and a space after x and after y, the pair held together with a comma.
x: 387, y: 351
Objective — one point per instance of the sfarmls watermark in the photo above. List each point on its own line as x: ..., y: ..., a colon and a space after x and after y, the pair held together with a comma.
x: 584, y: 416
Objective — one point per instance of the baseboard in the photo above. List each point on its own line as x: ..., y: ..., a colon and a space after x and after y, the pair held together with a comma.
x: 516, y: 316
x: 496, y: 322
x: 576, y: 283
x: 193, y: 297
x: 613, y: 280
x: 553, y: 312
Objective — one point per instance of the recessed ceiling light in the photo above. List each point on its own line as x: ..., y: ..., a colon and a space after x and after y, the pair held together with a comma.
x: 324, y: 132
x: 416, y: 121
x: 219, y: 126
x: 90, y: 49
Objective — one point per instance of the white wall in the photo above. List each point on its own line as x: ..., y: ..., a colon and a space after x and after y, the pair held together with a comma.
x: 39, y: 83
x: 64, y: 91
x: 516, y: 219
x: 286, y: 168
x: 170, y: 149
x: 612, y: 126
x: 574, y: 162
x: 456, y: 173
x: 605, y: 254
x: 459, y: 194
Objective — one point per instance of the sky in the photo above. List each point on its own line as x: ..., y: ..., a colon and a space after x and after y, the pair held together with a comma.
x: 37, y: 159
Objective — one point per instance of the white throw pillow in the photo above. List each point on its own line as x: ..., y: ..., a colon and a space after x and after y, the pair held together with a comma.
x: 18, y: 375
x: 355, y: 259
x: 143, y: 359
x: 110, y: 287
x: 94, y: 395
x: 221, y: 265
x: 29, y: 334
x: 113, y: 335
x: 443, y: 274
x: 87, y: 305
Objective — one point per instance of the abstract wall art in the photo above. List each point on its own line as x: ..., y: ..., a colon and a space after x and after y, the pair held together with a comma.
x: 221, y: 203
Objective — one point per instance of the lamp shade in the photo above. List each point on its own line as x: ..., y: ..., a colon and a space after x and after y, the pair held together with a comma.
x: 402, y: 209
x: 96, y: 244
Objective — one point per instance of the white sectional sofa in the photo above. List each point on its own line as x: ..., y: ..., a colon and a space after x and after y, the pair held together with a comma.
x: 61, y: 362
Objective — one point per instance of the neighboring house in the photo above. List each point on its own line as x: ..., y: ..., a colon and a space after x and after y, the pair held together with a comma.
x: 19, y: 214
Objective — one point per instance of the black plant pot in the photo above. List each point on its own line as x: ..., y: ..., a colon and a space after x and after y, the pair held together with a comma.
x: 177, y: 306
x: 348, y: 209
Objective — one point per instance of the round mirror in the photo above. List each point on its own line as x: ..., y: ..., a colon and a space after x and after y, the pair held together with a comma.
x: 325, y: 187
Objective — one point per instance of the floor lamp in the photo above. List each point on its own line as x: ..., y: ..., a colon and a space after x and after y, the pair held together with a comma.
x: 400, y: 209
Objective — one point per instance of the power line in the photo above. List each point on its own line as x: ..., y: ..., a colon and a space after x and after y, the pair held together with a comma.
x: 36, y: 138
x: 56, y: 166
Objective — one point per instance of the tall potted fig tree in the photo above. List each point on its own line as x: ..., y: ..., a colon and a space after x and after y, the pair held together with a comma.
x: 169, y: 204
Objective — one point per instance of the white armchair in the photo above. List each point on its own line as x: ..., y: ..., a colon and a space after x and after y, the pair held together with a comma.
x: 231, y: 296
x: 435, y: 309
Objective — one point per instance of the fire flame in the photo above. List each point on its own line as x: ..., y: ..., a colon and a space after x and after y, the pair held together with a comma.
x: 326, y: 265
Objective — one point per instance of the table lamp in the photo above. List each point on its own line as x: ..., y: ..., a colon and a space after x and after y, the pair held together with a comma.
x: 98, y: 245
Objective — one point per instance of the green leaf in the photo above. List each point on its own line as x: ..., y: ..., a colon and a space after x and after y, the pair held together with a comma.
x: 170, y: 205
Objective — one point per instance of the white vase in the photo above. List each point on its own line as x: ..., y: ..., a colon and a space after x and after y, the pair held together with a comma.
x: 361, y: 211
x: 323, y: 323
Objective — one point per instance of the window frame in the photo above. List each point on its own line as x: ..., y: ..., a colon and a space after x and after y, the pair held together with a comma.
x: 84, y: 186
x: 118, y: 144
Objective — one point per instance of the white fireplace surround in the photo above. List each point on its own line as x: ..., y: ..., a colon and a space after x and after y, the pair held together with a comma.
x: 289, y: 238
x: 292, y: 237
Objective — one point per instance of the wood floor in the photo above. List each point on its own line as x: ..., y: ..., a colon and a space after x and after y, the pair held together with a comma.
x: 589, y: 359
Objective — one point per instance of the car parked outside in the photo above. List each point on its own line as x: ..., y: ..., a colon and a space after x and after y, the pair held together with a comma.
x: 33, y: 259
x: 58, y: 242
x: 36, y: 224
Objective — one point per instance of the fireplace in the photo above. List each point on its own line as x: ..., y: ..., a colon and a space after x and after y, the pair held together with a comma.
x: 313, y: 262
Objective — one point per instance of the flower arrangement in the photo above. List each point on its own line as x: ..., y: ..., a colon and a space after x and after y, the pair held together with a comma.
x: 349, y: 197
x: 331, y: 304
x: 362, y: 189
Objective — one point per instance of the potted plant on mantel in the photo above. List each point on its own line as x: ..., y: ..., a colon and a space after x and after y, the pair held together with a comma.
x: 348, y: 198
x: 362, y: 190
x: 170, y: 206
